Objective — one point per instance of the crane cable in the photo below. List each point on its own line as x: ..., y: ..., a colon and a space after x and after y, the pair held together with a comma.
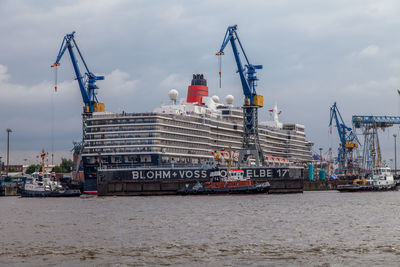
x: 220, y: 70
x: 219, y: 54
x: 52, y: 110
x: 55, y: 79
x: 52, y: 127
x: 55, y: 75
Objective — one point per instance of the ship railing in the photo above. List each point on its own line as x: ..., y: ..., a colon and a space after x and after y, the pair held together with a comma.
x: 152, y: 166
x: 114, y: 166
x: 124, y: 114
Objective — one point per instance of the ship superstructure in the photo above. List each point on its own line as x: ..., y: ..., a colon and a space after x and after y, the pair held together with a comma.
x: 190, y: 132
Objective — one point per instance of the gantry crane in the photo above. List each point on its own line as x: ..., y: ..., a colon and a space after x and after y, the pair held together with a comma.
x: 252, y: 101
x: 372, y: 156
x: 87, y: 83
x: 348, y: 143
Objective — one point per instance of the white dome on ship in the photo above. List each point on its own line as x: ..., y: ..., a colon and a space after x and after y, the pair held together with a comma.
x: 215, y: 98
x: 173, y: 94
x: 229, y: 99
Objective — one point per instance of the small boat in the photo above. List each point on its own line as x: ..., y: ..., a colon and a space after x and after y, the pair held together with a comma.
x: 381, y: 180
x: 234, y: 183
x: 44, y: 184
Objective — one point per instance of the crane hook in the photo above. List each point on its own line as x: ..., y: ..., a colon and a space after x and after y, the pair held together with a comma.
x: 219, y: 54
x: 55, y: 76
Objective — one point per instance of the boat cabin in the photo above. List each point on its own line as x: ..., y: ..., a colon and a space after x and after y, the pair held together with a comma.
x: 381, y: 176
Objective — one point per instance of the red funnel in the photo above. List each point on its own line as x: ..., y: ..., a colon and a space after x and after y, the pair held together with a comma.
x: 197, y: 89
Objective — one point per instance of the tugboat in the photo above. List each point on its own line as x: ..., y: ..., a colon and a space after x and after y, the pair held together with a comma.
x: 234, y: 183
x: 44, y: 184
x: 381, y: 180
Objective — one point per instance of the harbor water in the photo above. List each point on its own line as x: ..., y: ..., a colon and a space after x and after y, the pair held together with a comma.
x: 314, y: 228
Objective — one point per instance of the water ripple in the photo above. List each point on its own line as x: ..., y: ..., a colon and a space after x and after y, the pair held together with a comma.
x: 316, y: 228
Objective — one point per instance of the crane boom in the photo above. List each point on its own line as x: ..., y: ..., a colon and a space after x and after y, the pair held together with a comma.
x: 87, y: 83
x: 247, y: 74
x: 250, y: 141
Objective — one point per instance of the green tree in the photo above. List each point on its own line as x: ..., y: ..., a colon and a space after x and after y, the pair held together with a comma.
x: 65, y: 166
x: 32, y: 168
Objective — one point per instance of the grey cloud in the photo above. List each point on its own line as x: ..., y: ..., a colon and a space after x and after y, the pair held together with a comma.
x: 146, y: 47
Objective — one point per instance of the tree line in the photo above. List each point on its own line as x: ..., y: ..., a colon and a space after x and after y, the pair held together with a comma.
x: 64, y: 167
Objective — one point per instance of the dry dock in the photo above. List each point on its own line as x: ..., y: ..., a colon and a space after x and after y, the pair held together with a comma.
x: 324, y: 185
x: 146, y: 188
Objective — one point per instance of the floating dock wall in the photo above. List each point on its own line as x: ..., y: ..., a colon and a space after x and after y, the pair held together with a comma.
x: 167, y: 181
x: 324, y: 185
x: 170, y: 187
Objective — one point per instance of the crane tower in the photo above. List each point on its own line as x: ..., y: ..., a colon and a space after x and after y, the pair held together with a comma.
x: 252, y: 101
x: 348, y: 144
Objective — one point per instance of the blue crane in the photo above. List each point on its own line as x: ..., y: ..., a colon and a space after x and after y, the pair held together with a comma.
x: 87, y: 83
x: 250, y: 142
x: 372, y: 155
x: 379, y: 121
x: 348, y: 140
x: 247, y: 74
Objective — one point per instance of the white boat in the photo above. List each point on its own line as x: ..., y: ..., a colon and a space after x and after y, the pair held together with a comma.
x: 381, y: 179
x: 381, y: 176
x: 44, y: 184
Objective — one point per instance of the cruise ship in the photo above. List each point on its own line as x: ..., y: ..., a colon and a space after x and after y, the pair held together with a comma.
x: 189, y: 132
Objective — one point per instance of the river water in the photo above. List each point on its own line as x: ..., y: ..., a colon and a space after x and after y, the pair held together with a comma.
x: 315, y: 228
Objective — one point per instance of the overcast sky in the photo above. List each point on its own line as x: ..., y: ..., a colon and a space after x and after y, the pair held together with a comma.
x: 313, y: 52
